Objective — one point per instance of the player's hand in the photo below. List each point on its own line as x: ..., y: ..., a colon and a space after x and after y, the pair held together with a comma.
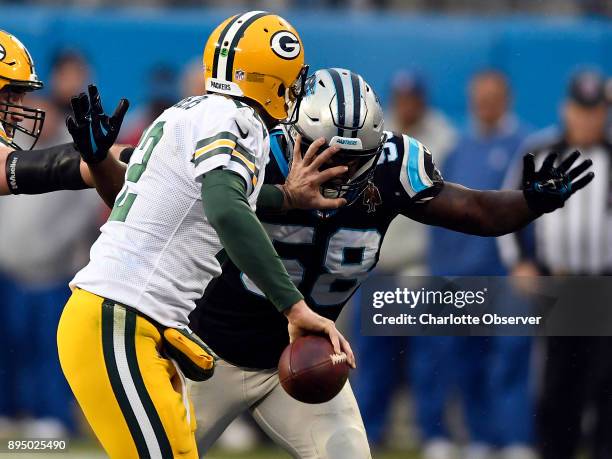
x: 302, y: 187
x: 547, y: 189
x: 92, y: 131
x: 304, y: 321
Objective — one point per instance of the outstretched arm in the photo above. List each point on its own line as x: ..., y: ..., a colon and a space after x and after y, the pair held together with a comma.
x: 483, y: 213
x: 494, y: 213
x: 107, y: 176
x: 55, y: 168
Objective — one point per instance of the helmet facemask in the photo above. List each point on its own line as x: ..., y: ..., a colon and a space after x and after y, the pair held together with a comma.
x: 294, y: 95
x: 13, y: 114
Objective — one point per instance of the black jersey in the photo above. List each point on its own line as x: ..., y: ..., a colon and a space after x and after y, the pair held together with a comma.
x: 327, y: 254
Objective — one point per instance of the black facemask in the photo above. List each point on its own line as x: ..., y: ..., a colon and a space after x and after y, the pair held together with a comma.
x: 12, y: 129
x: 296, y: 93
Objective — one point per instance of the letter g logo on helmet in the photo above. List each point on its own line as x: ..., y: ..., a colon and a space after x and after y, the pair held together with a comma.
x: 2, y: 53
x: 285, y: 45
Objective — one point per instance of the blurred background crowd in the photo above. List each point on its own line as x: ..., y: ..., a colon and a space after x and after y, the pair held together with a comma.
x: 480, y: 6
x: 478, y: 93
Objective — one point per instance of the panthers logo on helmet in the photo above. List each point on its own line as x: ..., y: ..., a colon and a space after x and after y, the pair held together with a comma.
x: 285, y: 45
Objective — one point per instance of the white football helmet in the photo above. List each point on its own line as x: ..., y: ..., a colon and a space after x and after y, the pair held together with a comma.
x: 341, y: 107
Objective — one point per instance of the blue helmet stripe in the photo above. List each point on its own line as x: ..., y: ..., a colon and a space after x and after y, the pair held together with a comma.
x: 355, y: 80
x: 339, y: 87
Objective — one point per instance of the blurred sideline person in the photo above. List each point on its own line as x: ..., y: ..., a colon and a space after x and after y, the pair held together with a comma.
x: 578, y: 370
x: 189, y: 197
x: 162, y: 93
x: 69, y: 75
x: 412, y: 115
x: 409, y: 114
x: 491, y: 374
x: 192, y: 81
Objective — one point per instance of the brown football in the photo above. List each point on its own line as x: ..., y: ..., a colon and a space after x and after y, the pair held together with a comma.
x: 310, y: 371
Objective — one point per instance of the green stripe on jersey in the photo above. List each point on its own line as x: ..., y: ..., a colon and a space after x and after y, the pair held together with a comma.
x: 221, y: 135
x: 214, y: 152
x: 246, y: 153
x: 238, y: 160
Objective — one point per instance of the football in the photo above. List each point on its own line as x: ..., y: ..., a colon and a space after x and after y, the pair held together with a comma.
x: 310, y: 371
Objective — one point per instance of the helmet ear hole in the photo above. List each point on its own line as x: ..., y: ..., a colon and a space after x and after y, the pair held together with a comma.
x: 281, y: 90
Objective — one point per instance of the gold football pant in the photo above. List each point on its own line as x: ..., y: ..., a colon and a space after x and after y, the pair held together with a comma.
x: 132, y: 397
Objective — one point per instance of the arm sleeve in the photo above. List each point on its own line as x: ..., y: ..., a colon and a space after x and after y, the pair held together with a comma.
x: 270, y: 199
x: 419, y: 176
x: 244, y: 238
x: 412, y: 174
x: 46, y: 170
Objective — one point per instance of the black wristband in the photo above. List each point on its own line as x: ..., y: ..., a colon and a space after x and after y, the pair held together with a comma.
x: 43, y: 171
x: 126, y: 155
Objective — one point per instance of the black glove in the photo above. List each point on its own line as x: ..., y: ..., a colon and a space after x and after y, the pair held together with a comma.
x: 92, y: 131
x: 547, y: 189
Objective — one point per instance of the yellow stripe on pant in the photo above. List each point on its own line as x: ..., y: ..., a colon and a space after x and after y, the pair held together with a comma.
x: 130, y: 394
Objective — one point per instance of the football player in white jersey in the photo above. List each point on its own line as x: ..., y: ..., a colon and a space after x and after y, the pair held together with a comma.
x: 188, y: 201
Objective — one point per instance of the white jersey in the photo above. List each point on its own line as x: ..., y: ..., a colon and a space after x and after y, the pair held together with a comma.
x: 157, y: 251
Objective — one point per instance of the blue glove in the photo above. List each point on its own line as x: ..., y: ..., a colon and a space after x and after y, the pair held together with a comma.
x: 547, y: 189
x: 92, y: 131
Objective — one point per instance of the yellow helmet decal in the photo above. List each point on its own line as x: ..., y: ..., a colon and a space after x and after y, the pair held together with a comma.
x: 225, y: 52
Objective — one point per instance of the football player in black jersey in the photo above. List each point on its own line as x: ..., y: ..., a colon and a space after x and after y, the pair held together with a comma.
x: 329, y: 253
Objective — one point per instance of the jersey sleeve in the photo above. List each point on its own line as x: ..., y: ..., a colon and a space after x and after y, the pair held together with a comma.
x: 233, y: 144
x: 419, y: 177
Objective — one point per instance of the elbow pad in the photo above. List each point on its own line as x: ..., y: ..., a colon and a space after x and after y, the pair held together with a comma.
x: 43, y: 171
